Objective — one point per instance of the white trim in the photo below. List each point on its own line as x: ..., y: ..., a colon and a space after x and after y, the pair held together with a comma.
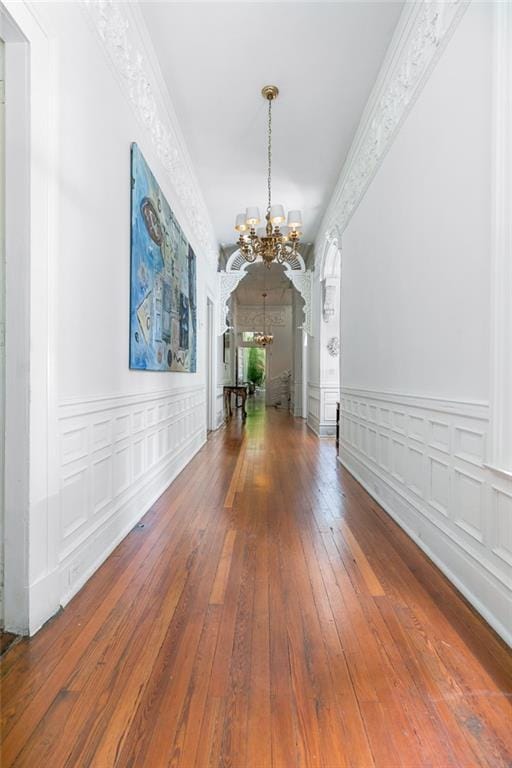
x: 321, y: 399
x: 35, y: 268
x: 477, y: 408
x: 211, y: 367
x: 228, y: 281
x: 100, y: 402
x: 500, y: 443
x: 499, y: 471
x: 432, y: 541
x: 421, y: 35
x: 122, y: 32
x: 424, y: 460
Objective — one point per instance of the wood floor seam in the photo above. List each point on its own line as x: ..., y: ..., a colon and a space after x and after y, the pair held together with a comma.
x: 269, y: 614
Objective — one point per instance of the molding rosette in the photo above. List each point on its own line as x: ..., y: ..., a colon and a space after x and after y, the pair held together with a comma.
x: 122, y: 43
x: 423, y: 30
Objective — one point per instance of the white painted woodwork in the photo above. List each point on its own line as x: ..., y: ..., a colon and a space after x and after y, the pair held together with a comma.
x: 423, y: 459
x: 99, y: 442
x: 500, y: 449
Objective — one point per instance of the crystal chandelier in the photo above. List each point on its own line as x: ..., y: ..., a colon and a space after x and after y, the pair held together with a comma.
x: 262, y: 339
x: 269, y: 243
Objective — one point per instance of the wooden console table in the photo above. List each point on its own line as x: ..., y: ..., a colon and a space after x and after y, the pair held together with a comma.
x: 238, y: 391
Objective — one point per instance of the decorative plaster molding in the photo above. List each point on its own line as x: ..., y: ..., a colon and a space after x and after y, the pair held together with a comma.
x: 251, y: 318
x: 333, y: 346
x: 421, y: 35
x: 112, y: 23
x: 228, y: 282
x: 236, y: 269
x: 302, y: 283
x: 329, y: 286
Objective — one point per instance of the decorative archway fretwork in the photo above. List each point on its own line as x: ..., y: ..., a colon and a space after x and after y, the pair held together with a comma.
x: 236, y: 269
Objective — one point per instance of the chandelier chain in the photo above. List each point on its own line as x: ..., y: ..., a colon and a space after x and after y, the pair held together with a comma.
x: 269, y: 155
x: 269, y: 243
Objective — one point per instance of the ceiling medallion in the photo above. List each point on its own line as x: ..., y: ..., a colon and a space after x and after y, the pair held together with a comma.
x: 269, y: 243
x: 263, y: 339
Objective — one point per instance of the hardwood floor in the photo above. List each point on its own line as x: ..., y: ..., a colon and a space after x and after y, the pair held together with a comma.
x: 268, y: 613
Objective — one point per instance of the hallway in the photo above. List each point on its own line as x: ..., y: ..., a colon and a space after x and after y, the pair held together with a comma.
x: 265, y: 613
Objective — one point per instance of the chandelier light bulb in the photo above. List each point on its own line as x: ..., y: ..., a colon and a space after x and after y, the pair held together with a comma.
x: 240, y: 224
x: 252, y: 217
x: 277, y: 215
x: 294, y: 219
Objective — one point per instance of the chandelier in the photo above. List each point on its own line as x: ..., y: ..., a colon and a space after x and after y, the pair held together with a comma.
x: 262, y: 339
x: 269, y: 243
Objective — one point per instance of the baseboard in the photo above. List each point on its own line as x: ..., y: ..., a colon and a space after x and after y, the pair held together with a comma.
x: 485, y: 593
x: 320, y: 430
x: 87, y: 559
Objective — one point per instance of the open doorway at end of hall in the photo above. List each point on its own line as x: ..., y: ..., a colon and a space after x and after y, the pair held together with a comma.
x: 252, y: 369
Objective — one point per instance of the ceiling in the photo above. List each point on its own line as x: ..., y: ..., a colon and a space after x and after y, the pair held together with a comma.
x: 215, y: 57
x: 259, y: 279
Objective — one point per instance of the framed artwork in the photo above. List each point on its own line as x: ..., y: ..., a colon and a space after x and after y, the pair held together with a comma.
x: 163, y: 319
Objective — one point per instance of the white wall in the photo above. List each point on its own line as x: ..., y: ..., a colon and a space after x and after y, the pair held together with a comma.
x: 416, y: 252
x: 416, y: 328
x: 116, y: 438
x: 324, y: 377
x: 297, y: 356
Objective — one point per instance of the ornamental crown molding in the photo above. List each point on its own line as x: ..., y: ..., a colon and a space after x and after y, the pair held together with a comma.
x: 422, y: 33
x: 120, y: 28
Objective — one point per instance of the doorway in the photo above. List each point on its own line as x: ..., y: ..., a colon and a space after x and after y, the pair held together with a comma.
x: 252, y: 369
x: 211, y: 362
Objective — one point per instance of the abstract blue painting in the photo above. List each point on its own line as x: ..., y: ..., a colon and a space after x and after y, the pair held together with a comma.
x: 163, y: 280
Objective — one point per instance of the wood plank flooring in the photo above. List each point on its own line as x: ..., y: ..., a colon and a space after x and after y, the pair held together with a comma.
x: 268, y: 614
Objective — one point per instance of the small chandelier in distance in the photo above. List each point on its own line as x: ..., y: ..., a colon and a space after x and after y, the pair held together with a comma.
x: 269, y: 243
x: 262, y: 339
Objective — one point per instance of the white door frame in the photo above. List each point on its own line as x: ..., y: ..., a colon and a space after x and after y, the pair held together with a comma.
x: 211, y: 365
x: 31, y: 593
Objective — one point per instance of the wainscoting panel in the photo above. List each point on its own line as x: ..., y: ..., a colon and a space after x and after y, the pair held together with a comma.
x: 423, y: 460
x: 117, y: 455
x: 322, y: 409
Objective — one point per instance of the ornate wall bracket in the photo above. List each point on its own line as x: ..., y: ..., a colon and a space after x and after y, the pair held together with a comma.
x: 302, y: 283
x: 228, y: 282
